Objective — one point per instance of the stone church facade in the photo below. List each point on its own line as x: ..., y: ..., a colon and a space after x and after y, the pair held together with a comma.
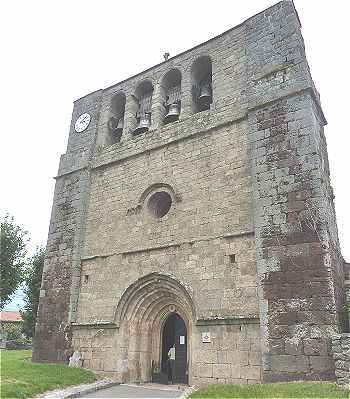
x: 197, y: 194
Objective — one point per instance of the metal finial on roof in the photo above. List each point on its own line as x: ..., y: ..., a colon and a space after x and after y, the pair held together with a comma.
x: 166, y: 56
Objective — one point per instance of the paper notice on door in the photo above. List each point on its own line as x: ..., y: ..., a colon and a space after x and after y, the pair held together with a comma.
x: 182, y: 340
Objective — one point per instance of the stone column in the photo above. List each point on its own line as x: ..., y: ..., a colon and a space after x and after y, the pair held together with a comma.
x: 186, y: 93
x: 157, y: 106
x: 130, y: 123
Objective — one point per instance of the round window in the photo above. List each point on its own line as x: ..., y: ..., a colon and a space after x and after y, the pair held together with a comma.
x: 159, y: 204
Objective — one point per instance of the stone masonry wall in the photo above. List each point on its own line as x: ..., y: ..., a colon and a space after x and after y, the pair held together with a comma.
x: 199, y: 242
x: 220, y: 288
x: 52, y: 339
x: 61, y: 274
x: 233, y: 355
x: 296, y: 284
x: 209, y: 177
x: 341, y: 355
x: 334, y: 257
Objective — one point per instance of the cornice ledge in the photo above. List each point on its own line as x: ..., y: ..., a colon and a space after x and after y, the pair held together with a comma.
x: 237, y: 319
x: 98, y: 324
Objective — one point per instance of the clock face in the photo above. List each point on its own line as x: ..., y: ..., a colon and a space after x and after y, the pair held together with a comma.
x: 82, y: 122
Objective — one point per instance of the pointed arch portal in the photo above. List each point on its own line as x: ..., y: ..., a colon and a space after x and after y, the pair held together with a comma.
x: 154, y: 312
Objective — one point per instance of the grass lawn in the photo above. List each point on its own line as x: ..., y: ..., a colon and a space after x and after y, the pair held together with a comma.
x: 280, y: 390
x: 21, y: 378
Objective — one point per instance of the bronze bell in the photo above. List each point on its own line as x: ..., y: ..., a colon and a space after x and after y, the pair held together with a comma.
x: 120, y: 125
x: 144, y: 123
x: 205, y: 94
x: 116, y: 125
x: 173, y: 113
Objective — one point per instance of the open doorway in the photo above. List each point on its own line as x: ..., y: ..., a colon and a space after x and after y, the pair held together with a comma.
x: 175, y: 336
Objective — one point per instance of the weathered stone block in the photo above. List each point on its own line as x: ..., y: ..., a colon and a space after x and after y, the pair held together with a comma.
x: 76, y: 360
x: 277, y: 346
x: 341, y: 373
x: 290, y: 363
x: 208, y: 356
x: 342, y: 355
x: 221, y: 370
x: 255, y: 358
x: 204, y: 370
x: 250, y: 372
x: 315, y: 346
x: 243, y: 358
x: 233, y: 356
x: 343, y: 381
x: 321, y: 363
x: 222, y: 357
x: 293, y: 348
x: 342, y: 365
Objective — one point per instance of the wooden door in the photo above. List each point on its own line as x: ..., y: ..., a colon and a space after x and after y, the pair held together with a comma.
x: 180, y: 337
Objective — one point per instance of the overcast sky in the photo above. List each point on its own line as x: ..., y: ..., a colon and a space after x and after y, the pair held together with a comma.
x: 55, y: 52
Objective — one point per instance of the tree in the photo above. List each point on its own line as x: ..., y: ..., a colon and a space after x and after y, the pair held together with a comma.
x: 12, y: 258
x: 32, y: 291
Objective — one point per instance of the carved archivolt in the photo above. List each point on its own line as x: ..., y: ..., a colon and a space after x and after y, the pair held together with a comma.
x: 141, y: 314
x: 145, y: 299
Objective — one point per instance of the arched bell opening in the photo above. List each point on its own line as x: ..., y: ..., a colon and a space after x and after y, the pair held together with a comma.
x: 142, y: 107
x: 116, y: 119
x: 142, y: 313
x: 202, y: 93
x: 171, y: 96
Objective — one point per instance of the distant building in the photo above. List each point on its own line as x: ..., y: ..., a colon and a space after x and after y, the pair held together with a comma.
x: 7, y: 317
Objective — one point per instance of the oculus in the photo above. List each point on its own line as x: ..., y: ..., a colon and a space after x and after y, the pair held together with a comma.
x: 159, y: 204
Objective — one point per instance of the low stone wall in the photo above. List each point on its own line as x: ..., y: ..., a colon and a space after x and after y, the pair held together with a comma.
x: 341, y: 355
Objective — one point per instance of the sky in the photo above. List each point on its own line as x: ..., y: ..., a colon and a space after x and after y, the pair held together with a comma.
x: 55, y: 52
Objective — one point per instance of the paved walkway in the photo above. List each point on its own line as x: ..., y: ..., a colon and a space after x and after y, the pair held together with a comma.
x: 138, y: 391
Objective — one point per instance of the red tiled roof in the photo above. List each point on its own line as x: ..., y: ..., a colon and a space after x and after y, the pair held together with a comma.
x: 10, y: 316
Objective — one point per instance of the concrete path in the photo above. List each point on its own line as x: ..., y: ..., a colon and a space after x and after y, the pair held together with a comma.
x: 77, y: 390
x: 139, y: 391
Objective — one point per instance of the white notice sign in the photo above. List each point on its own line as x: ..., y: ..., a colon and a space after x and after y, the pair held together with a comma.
x: 182, y: 340
x: 206, y: 337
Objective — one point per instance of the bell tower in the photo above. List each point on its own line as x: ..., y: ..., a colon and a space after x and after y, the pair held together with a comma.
x: 199, y: 187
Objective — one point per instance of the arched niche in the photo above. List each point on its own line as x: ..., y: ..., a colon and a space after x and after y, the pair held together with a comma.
x: 201, y: 74
x: 115, y: 121
x: 141, y: 107
x: 171, y: 96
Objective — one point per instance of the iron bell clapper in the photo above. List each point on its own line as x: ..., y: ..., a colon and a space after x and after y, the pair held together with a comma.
x: 173, y: 114
x: 144, y: 123
x: 205, y: 94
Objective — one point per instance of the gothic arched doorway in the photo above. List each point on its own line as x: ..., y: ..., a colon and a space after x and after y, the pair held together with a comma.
x: 174, y: 335
x: 153, y: 304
